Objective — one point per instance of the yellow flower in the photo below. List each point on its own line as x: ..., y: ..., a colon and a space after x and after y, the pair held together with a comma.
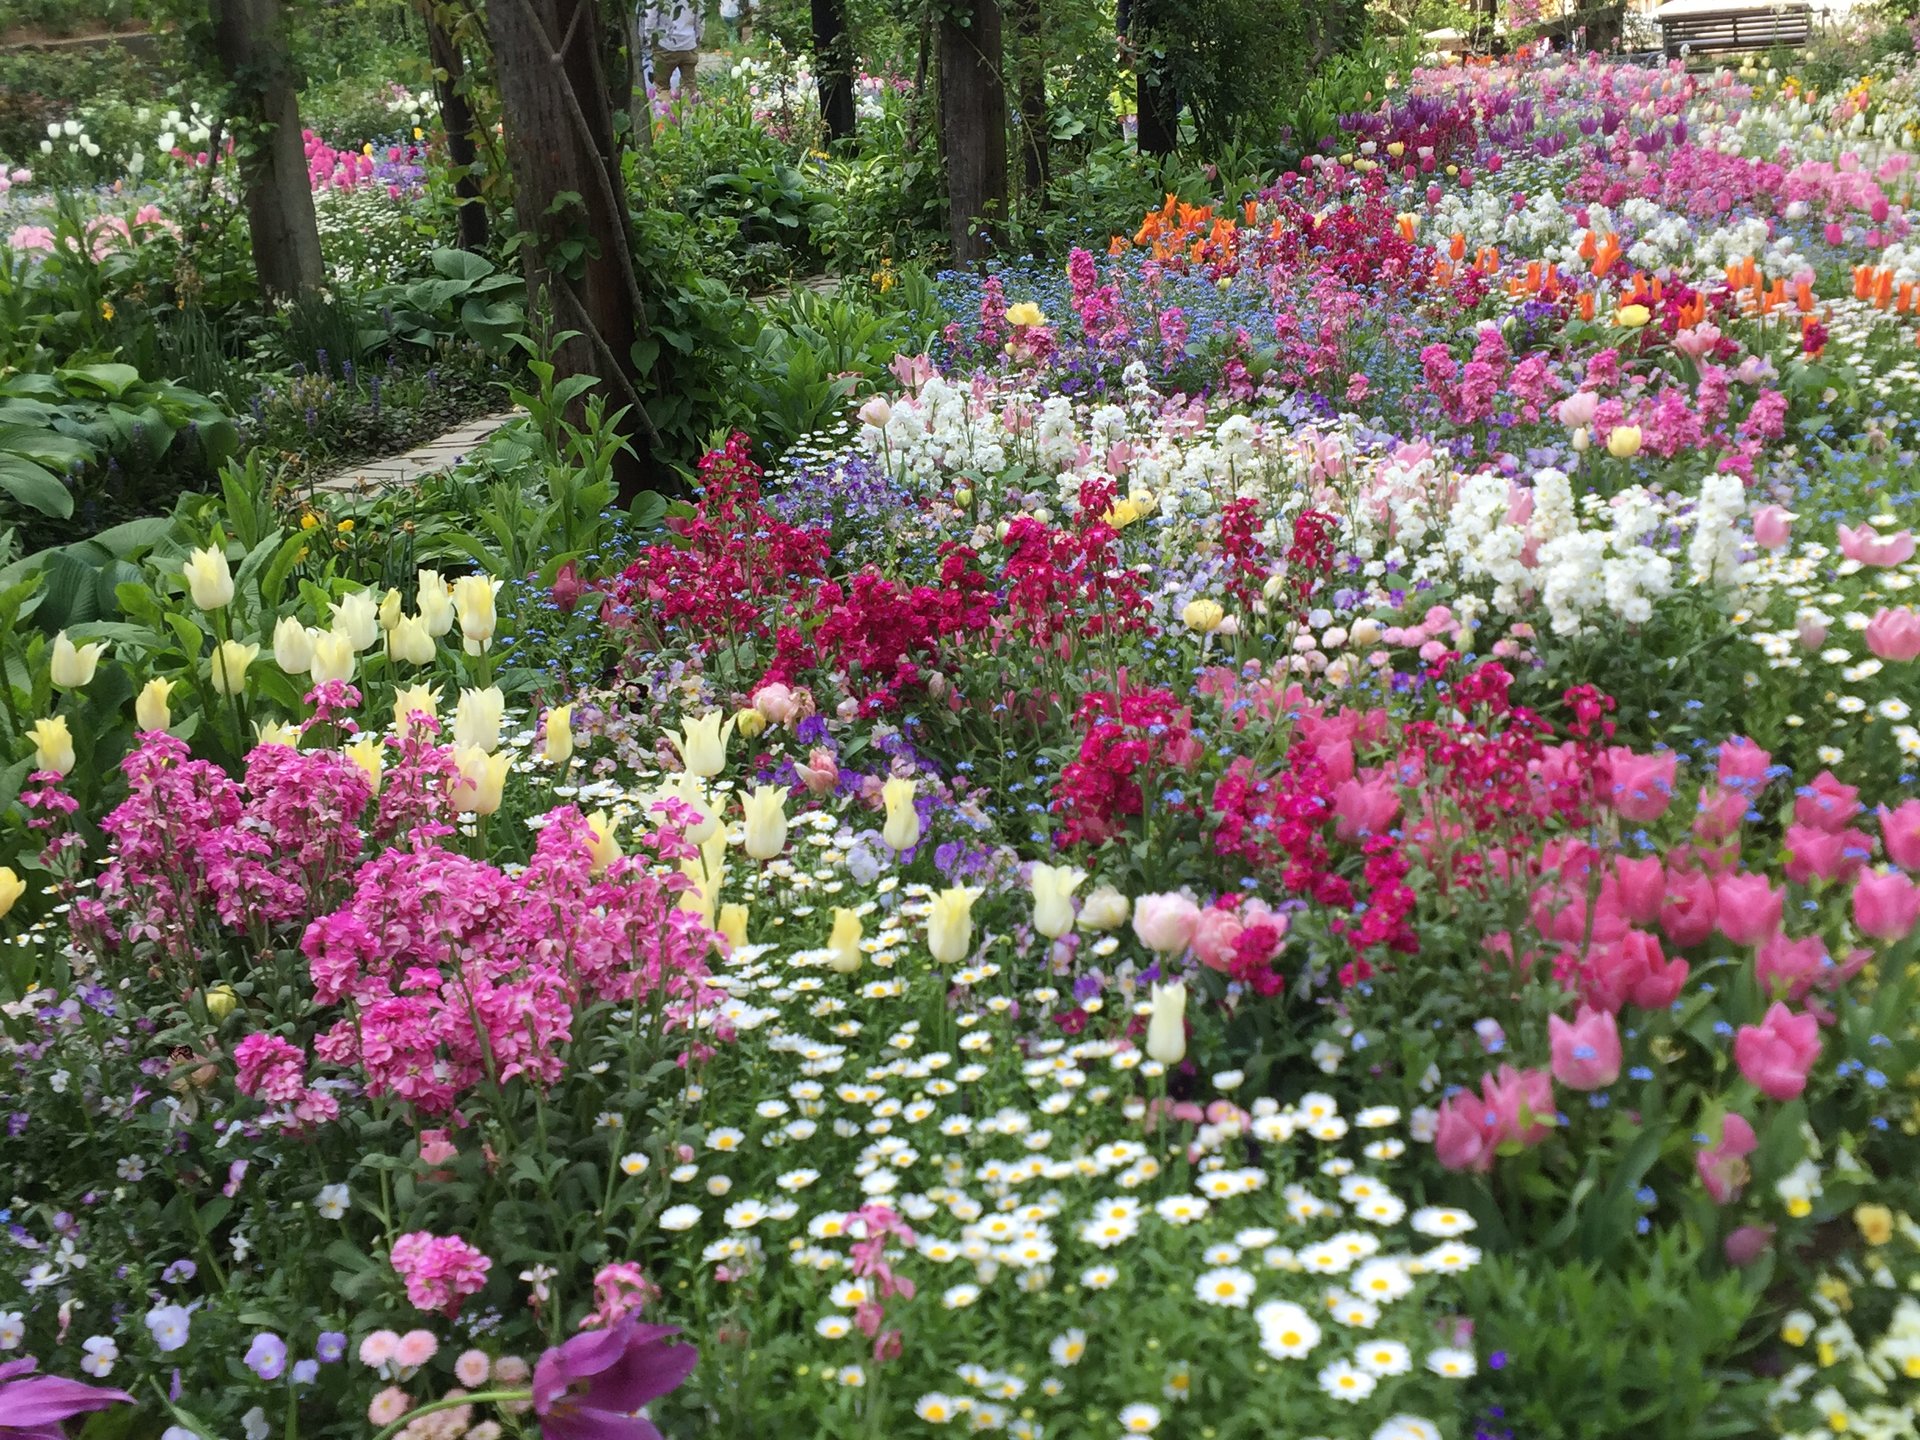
x: 483, y: 778
x: 1025, y: 313
x: 1203, y: 615
x: 370, y: 755
x: 1875, y: 1222
x: 209, y: 581
x: 420, y: 698
x: 950, y: 924
x: 1632, y: 317
x: 73, y: 665
x: 473, y: 602
x: 150, y: 710
x: 606, y: 848
x: 230, y: 662
x: 52, y: 745
x: 12, y: 887
x: 409, y: 641
x: 106, y: 310
x: 702, y: 743
x: 308, y: 520
x: 221, y: 1001
x: 276, y: 732
x: 766, y: 818
x: 1167, y: 1026
x: 433, y: 598
x: 751, y: 723
x: 733, y: 925
x: 1623, y: 442
x: 559, y: 742
x: 357, y: 616
x: 292, y: 646
x: 330, y: 657
x: 1053, y: 887
x: 902, y: 830
x: 476, y: 719
x: 390, y: 611
x: 845, y: 941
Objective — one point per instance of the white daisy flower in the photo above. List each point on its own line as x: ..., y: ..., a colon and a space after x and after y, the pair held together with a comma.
x: 1229, y: 1286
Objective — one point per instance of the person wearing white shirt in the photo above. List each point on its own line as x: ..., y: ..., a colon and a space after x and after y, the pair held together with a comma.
x: 671, y: 33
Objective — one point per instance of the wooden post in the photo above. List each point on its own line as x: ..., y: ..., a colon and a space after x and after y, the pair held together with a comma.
x: 251, y: 41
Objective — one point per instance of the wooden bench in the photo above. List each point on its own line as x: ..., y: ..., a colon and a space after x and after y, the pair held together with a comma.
x: 1727, y: 32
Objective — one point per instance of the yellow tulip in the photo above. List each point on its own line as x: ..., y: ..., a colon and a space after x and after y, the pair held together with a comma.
x: 1025, y: 313
x: 1105, y: 909
x: 902, y: 830
x: 390, y: 611
x: 845, y: 941
x: 414, y: 699
x: 1167, y: 1026
x: 434, y: 600
x: 702, y: 744
x: 950, y: 924
x: 1203, y: 615
x: 1053, y: 887
x: 150, y: 710
x: 473, y: 603
x: 1623, y: 442
x: 371, y: 756
x: 766, y: 817
x: 732, y: 925
x: 559, y: 743
x: 332, y: 657
x: 750, y: 723
x: 221, y: 1001
x: 209, y: 581
x: 708, y: 872
x: 73, y: 665
x: 1632, y: 317
x: 52, y: 745
x: 606, y: 848
x: 690, y: 791
x: 476, y: 719
x: 230, y: 662
x: 409, y: 642
x: 293, y: 646
x: 358, y: 618
x: 483, y: 778
x: 12, y: 887
x: 276, y: 732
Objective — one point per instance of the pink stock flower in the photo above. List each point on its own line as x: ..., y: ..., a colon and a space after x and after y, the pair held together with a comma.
x: 1640, y: 787
x: 1900, y: 833
x: 1895, y: 634
x: 1748, y: 908
x: 440, y: 1271
x: 1886, y: 904
x: 1868, y: 547
x: 1723, y: 1165
x: 619, y: 1289
x: 1776, y: 1054
x: 1586, y: 1052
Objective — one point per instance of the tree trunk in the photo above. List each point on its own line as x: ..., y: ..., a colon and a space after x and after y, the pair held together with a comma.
x: 639, y: 102
x: 1156, y: 104
x: 559, y: 134
x: 833, y: 64
x: 456, y: 118
x: 252, y: 44
x: 1036, y: 125
x: 973, y: 103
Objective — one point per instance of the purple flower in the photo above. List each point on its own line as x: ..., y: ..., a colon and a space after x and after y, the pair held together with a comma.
x: 588, y: 1388
x: 179, y: 1272
x: 305, y: 1372
x: 331, y: 1346
x: 33, y: 1407
x: 267, y: 1356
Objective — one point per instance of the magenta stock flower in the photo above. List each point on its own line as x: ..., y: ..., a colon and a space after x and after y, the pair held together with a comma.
x: 589, y: 1387
x: 1776, y: 1054
x: 441, y: 1271
x: 35, y: 1407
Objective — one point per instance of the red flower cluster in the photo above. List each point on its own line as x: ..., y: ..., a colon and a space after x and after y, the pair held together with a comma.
x: 1129, y: 736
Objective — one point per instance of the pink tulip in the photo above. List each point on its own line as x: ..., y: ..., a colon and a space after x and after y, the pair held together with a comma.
x: 36, y: 1407
x: 1640, y: 887
x: 1812, y: 635
x: 1165, y: 923
x: 1719, y: 815
x: 1743, y: 764
x: 1790, y: 968
x: 1696, y: 342
x: 1692, y: 908
x: 1363, y: 808
x: 1464, y: 1134
x: 1522, y: 1101
x: 1772, y: 526
x: 566, y: 588
x: 1886, y: 904
x: 1747, y: 1244
x: 1577, y: 410
x: 1867, y: 546
x: 1895, y: 634
x: 1632, y: 969
x: 1900, y: 833
x: 1825, y: 855
x: 1640, y: 787
x: 1776, y: 1054
x: 820, y: 773
x: 1723, y: 1165
x: 1826, y: 804
x: 1586, y: 1053
x: 1749, y: 909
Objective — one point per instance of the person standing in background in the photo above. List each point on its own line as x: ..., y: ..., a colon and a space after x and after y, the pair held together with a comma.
x: 671, y: 32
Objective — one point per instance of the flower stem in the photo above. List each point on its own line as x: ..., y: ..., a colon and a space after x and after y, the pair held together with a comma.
x: 483, y: 1397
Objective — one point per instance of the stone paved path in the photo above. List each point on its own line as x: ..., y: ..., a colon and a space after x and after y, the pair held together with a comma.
x: 431, y: 458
